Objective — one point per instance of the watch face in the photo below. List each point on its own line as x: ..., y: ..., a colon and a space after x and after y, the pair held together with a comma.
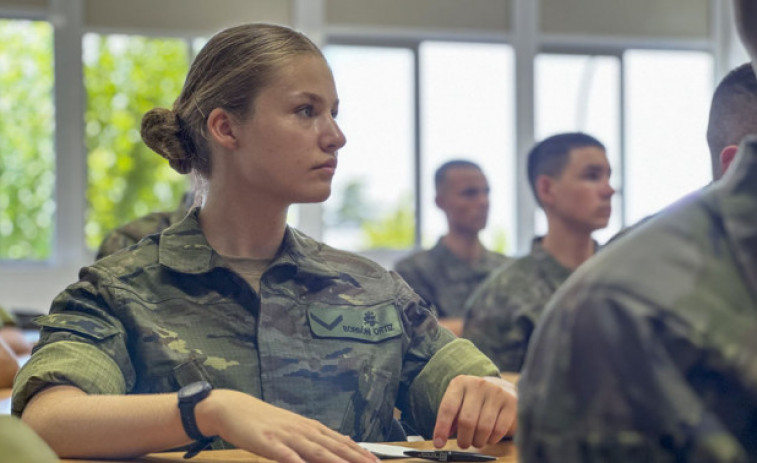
x: 191, y: 390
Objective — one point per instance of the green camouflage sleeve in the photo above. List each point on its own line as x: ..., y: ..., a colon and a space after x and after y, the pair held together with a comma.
x: 81, y: 344
x: 497, y: 324
x: 599, y: 385
x: 434, y: 357
x: 459, y: 357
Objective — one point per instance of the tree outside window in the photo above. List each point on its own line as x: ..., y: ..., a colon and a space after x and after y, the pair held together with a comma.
x: 125, y: 76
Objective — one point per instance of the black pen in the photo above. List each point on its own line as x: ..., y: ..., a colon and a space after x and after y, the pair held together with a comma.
x: 448, y: 455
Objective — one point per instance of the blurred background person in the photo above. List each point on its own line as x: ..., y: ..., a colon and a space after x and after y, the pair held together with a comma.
x: 570, y: 178
x: 447, y: 274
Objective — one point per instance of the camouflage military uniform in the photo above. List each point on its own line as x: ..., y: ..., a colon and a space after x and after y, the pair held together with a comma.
x: 155, y: 222
x: 502, y: 313
x: 649, y: 352
x: 444, y: 279
x: 331, y: 336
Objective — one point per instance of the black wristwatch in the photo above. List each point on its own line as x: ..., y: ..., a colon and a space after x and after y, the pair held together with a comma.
x: 189, y: 396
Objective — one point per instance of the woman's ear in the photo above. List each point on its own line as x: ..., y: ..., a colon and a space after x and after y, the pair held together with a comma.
x: 726, y: 156
x: 221, y: 127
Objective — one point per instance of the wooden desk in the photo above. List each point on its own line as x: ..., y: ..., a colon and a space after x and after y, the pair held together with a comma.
x: 504, y: 451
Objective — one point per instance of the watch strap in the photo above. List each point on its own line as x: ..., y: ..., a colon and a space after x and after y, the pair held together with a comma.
x: 188, y: 420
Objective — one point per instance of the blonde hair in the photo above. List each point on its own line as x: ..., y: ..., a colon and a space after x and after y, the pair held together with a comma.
x: 229, y: 72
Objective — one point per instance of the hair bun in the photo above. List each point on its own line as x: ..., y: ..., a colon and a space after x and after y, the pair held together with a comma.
x: 162, y: 132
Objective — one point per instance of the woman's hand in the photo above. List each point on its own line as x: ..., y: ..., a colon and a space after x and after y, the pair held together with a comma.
x: 481, y: 410
x: 273, y: 432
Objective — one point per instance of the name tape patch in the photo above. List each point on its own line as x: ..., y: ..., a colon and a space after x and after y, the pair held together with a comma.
x: 372, y: 325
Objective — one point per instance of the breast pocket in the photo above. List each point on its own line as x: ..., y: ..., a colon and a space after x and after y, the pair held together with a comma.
x: 369, y: 341
x: 369, y: 414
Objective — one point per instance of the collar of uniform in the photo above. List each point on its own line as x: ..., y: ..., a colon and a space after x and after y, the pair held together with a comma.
x: 553, y: 271
x: 183, y: 248
x: 736, y: 194
x: 303, y: 252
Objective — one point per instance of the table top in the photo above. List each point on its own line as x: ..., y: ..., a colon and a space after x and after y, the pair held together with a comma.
x: 504, y: 451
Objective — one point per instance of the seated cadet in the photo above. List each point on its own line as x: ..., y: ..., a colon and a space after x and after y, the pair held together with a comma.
x: 155, y: 222
x: 232, y: 327
x: 648, y: 352
x: 449, y: 272
x: 570, y: 178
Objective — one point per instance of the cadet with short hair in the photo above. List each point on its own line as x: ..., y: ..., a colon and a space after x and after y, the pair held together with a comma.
x: 276, y: 343
x: 447, y: 274
x: 733, y: 115
x: 648, y: 353
x: 569, y: 175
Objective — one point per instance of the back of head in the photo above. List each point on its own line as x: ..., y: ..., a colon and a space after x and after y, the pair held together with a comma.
x: 550, y: 156
x: 733, y: 113
x: 441, y: 173
x: 229, y: 72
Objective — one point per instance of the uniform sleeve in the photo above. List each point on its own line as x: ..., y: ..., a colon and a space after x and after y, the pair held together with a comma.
x: 498, y: 324
x: 599, y: 384
x: 81, y: 344
x: 434, y: 357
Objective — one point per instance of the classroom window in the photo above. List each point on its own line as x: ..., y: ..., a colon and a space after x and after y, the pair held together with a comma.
x: 125, y: 76
x: 467, y: 110
x: 667, y: 105
x: 581, y: 93
x: 371, y: 204
x: 27, y: 155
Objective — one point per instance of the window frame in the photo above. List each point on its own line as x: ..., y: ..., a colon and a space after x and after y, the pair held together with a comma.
x: 33, y: 284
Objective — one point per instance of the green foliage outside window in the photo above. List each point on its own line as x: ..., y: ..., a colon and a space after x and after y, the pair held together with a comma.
x: 27, y: 160
x: 124, y: 78
x: 395, y: 230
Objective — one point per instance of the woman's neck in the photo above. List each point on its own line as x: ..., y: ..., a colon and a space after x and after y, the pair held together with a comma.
x: 240, y: 227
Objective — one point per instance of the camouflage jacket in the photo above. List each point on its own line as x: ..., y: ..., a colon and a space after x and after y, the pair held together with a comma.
x: 502, y: 313
x: 331, y: 336
x: 649, y: 351
x: 445, y: 280
x: 126, y: 235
